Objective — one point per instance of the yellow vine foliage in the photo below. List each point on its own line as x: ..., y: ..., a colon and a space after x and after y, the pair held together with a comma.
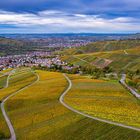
x: 104, y: 99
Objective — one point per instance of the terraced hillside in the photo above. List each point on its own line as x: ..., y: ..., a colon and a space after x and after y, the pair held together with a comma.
x: 36, y: 112
x: 104, y: 99
x: 118, y: 60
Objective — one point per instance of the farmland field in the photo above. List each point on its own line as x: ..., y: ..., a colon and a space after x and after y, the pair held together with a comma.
x: 18, y: 80
x: 40, y: 116
x: 2, y: 122
x: 3, y: 80
x: 1, y: 74
x: 104, y: 99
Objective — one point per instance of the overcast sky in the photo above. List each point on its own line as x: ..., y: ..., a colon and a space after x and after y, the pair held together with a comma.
x: 63, y: 16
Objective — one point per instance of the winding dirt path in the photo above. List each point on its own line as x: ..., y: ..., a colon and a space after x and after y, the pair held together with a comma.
x: 61, y: 99
x: 6, y: 117
x: 82, y: 60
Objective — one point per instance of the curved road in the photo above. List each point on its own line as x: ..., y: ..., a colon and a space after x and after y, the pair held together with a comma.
x: 61, y: 99
x: 7, y: 82
x: 7, y: 119
x: 122, y: 81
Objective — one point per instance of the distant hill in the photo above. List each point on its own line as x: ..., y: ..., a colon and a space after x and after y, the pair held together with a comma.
x: 134, y: 36
x: 92, y: 36
x: 111, y: 45
x: 119, y: 60
x: 120, y: 55
x: 101, y: 46
x: 10, y: 46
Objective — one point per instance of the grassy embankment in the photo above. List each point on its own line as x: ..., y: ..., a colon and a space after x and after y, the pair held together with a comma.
x: 104, y: 99
x: 20, y: 79
x: 39, y: 115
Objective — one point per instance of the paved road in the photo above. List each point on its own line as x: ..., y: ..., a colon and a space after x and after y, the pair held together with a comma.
x: 7, y: 119
x: 61, y: 99
x: 122, y: 81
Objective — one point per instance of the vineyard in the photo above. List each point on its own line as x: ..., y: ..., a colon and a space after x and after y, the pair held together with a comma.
x: 104, y: 99
x: 16, y: 82
x: 130, y: 61
x: 37, y: 112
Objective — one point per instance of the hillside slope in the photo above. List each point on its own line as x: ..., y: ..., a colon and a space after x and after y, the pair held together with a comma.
x: 39, y: 115
x: 128, y: 59
x: 102, y: 46
x: 111, y: 45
